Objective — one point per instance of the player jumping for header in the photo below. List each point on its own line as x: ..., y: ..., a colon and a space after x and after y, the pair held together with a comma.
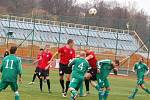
x: 91, y: 58
x: 67, y: 53
x: 104, y: 69
x: 141, y: 70
x: 11, y: 68
x: 80, y: 67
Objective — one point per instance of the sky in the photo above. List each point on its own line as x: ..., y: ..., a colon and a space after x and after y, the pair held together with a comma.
x: 141, y: 4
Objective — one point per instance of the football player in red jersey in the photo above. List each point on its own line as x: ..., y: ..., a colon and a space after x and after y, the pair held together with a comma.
x: 66, y: 54
x: 37, y: 67
x: 90, y: 56
x: 43, y: 71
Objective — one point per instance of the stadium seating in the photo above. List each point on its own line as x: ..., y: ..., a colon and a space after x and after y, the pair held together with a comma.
x: 54, y: 33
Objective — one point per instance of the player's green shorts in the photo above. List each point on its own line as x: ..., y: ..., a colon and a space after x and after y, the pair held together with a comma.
x: 103, y: 83
x: 75, y: 83
x: 140, y: 80
x: 4, y: 85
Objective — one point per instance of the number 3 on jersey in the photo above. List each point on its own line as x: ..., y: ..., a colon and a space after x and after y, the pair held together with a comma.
x: 11, y: 62
x: 81, y: 66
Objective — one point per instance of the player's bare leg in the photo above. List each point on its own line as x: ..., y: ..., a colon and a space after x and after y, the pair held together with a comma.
x: 73, y: 93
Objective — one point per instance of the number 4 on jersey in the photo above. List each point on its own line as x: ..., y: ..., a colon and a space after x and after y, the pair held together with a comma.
x: 81, y: 66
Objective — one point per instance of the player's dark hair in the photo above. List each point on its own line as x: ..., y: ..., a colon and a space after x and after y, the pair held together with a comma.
x: 117, y: 62
x: 41, y: 49
x: 69, y: 41
x: 13, y: 49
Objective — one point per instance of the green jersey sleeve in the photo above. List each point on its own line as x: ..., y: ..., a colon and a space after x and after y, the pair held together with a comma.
x: 72, y: 62
x: 99, y: 64
x: 19, y: 66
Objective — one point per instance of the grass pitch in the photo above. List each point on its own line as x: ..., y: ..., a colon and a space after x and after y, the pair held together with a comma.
x: 121, y: 88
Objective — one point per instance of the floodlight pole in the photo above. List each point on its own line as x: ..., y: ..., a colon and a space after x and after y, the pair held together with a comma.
x: 148, y: 51
x: 33, y: 31
x: 59, y: 33
x: 8, y: 31
x: 87, y: 38
x: 116, y: 51
x: 148, y: 54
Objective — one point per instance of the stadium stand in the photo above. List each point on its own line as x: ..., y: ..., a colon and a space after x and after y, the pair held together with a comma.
x: 35, y: 33
x: 50, y: 33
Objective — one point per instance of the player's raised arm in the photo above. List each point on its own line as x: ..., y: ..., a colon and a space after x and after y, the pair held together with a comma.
x: 115, y: 66
x: 89, y: 57
x: 52, y: 59
x: 56, y: 53
x: 71, y: 63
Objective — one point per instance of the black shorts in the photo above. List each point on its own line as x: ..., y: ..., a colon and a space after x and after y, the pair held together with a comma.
x: 37, y: 70
x: 93, y: 72
x: 43, y: 72
x: 64, y: 69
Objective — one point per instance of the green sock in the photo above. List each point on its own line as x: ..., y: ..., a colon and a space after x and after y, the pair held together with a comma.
x: 17, y: 97
x: 81, y: 90
x: 134, y: 92
x: 147, y: 91
x: 100, y: 94
x: 106, y: 94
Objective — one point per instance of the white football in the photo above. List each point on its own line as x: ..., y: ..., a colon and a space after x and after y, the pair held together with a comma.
x: 92, y: 11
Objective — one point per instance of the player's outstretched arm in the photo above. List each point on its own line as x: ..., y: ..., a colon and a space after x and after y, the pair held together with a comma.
x: 56, y: 53
x: 36, y: 61
x: 71, y: 63
x: 89, y: 57
x: 49, y: 63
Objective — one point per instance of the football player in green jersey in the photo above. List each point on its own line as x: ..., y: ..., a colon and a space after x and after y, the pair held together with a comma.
x: 11, y: 67
x: 104, y: 69
x: 79, y: 68
x: 141, y: 70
